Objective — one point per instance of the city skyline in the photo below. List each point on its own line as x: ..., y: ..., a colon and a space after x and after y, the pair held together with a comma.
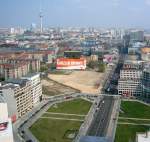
x: 77, y: 13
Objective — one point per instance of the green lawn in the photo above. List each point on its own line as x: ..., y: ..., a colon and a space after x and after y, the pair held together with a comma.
x: 135, y: 121
x: 63, y: 116
x: 127, y: 133
x: 78, y: 106
x: 135, y: 109
x: 48, y: 130
x: 53, y: 130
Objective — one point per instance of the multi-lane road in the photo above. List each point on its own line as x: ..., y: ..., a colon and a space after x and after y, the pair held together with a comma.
x: 102, y: 117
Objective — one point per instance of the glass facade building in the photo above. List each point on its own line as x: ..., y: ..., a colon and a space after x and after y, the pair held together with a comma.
x: 146, y: 83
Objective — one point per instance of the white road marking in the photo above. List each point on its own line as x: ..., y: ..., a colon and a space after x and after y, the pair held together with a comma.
x: 65, y: 114
x: 56, y: 118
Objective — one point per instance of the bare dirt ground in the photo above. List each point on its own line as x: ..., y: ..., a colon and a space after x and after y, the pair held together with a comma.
x: 51, y: 88
x: 85, y: 81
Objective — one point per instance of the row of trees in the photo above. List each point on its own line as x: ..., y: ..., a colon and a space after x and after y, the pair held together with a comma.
x: 97, y: 65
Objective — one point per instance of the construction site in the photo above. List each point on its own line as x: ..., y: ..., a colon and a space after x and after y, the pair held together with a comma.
x: 85, y: 81
x: 52, y: 88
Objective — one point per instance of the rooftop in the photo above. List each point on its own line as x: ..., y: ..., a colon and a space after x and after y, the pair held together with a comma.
x: 29, y: 75
x: 93, y: 139
x: 21, y: 82
x: 143, y: 137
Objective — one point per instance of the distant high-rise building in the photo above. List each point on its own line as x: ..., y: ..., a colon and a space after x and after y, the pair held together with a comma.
x: 137, y: 35
x: 33, y: 27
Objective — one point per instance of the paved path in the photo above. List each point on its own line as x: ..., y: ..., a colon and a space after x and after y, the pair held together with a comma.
x: 56, y: 118
x: 126, y: 123
x: 133, y: 118
x: 65, y: 114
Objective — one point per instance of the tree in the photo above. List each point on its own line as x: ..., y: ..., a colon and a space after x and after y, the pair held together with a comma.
x: 101, y: 67
x: 43, y: 68
x: 92, y: 64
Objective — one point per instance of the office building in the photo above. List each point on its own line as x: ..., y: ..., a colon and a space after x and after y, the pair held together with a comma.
x: 130, y: 84
x: 146, y: 83
x: 129, y: 87
x: 130, y: 74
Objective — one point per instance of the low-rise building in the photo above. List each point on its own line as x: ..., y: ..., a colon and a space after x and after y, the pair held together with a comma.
x: 143, y: 137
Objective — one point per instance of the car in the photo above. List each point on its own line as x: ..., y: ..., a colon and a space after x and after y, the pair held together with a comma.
x: 29, y: 141
x: 22, y: 132
x: 114, y: 119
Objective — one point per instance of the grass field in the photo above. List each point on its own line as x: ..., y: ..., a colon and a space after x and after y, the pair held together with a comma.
x: 76, y: 107
x: 127, y: 132
x: 63, y: 116
x: 135, y: 121
x: 135, y: 109
x: 49, y: 130
x: 53, y: 130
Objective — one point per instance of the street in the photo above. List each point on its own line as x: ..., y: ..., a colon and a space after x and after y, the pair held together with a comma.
x: 101, y: 120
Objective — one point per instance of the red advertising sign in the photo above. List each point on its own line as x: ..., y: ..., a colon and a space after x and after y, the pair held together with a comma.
x: 65, y: 63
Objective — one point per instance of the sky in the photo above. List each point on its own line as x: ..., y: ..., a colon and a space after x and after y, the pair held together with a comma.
x: 76, y: 13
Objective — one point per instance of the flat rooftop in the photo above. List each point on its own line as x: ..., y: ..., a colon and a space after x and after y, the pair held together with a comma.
x: 93, y: 139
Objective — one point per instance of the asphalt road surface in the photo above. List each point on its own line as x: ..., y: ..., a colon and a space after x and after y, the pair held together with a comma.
x: 102, y: 117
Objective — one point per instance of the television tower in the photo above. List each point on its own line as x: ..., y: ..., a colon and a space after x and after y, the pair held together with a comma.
x: 41, y: 21
x: 41, y: 18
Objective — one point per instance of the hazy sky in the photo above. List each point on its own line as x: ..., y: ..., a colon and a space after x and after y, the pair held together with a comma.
x: 99, y: 13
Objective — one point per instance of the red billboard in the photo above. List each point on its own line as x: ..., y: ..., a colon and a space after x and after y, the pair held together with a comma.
x: 67, y: 63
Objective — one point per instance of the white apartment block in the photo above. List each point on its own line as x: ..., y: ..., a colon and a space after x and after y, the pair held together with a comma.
x: 129, y: 88
x: 6, y: 132
x: 130, y: 82
x: 17, y: 94
x: 130, y: 74
x: 36, y: 87
x: 21, y: 95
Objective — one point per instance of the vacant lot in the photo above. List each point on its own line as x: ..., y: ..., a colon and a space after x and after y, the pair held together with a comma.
x: 60, y: 121
x: 51, y: 88
x: 133, y: 118
x: 85, y: 81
